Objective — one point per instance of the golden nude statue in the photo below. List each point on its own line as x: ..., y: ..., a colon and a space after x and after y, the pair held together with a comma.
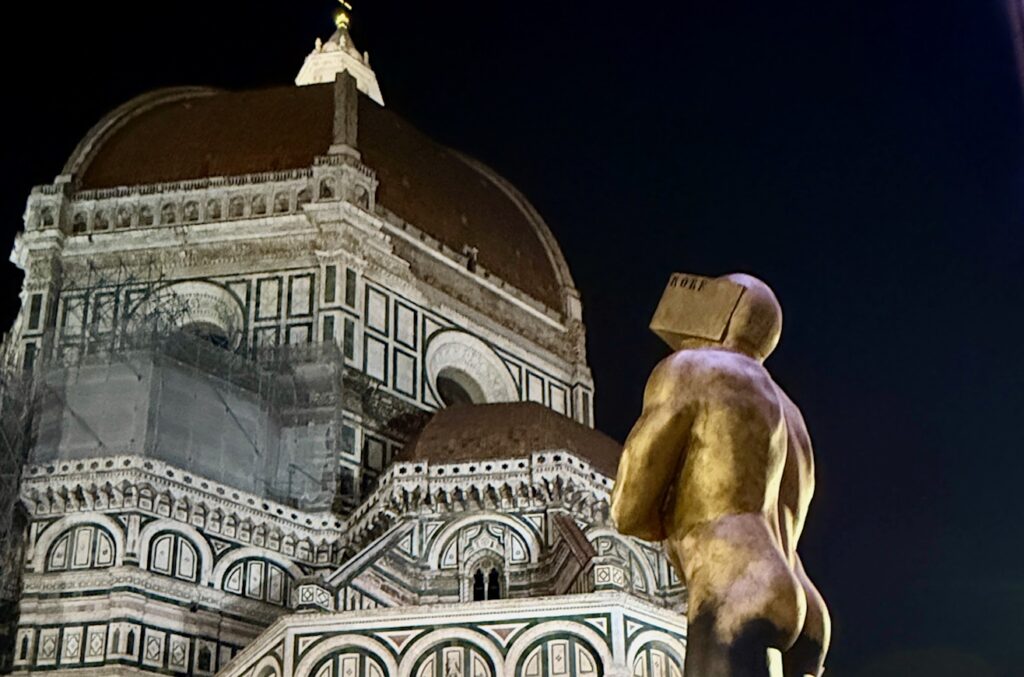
x: 720, y: 467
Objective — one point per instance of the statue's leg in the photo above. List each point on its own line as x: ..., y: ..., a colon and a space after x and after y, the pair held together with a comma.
x: 744, y: 598
x: 807, y: 655
x: 708, y: 654
x: 803, y: 658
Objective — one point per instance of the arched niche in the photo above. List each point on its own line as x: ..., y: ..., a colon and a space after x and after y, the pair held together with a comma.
x: 63, y: 525
x: 583, y: 652
x: 462, y: 369
x: 322, y: 654
x: 653, y: 652
x: 474, y: 654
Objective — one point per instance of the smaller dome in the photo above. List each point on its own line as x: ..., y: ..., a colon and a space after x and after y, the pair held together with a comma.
x: 485, y: 432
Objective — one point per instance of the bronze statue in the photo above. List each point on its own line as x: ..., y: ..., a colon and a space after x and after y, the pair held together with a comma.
x: 720, y: 467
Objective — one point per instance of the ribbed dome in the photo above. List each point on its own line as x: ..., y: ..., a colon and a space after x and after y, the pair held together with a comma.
x: 484, y: 432
x: 188, y: 134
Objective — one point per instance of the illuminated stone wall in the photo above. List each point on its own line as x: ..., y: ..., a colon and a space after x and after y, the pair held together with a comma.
x: 184, y: 497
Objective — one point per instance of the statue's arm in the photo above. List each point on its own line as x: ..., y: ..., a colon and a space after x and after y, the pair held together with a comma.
x: 653, y: 455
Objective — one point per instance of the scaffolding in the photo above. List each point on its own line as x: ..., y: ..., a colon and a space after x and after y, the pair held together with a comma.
x: 298, y: 387
x: 130, y: 312
x: 17, y: 405
x: 121, y: 307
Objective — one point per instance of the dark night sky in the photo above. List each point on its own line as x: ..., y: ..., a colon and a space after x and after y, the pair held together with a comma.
x: 863, y: 157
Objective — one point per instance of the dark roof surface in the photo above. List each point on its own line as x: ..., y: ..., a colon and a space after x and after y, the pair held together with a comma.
x: 224, y: 134
x: 484, y: 432
x: 441, y: 192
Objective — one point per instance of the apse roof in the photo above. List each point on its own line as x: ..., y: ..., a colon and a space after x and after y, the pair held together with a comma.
x: 484, y: 432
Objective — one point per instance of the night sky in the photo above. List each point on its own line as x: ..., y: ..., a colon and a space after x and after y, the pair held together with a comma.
x: 865, y: 158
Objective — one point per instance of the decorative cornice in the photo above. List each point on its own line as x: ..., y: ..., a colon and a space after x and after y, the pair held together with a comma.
x: 108, y: 581
x: 124, y: 482
x: 475, y: 614
x: 260, y: 178
x: 547, y: 479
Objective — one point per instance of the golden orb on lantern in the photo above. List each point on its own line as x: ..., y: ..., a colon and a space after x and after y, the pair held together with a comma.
x: 343, y: 17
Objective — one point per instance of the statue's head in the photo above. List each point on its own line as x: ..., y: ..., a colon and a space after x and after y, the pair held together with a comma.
x: 756, y: 323
x: 737, y: 311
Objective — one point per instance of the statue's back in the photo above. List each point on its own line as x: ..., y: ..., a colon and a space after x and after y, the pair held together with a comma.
x: 797, y: 486
x: 807, y: 656
x: 737, y: 446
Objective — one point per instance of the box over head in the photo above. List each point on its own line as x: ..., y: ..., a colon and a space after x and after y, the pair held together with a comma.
x: 737, y: 311
x: 694, y: 306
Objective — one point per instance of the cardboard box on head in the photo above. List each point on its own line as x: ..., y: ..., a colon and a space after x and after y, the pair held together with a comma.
x: 694, y: 306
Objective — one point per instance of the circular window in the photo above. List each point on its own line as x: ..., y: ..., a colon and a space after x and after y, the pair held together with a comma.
x: 201, y: 309
x: 456, y: 387
x: 462, y: 369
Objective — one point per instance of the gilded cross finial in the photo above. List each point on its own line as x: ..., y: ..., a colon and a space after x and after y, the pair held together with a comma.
x: 342, y: 18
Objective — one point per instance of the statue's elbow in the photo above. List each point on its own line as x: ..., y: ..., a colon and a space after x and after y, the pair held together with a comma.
x: 621, y: 518
x: 636, y: 523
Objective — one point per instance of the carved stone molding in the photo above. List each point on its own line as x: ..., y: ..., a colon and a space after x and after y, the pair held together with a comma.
x: 160, y: 490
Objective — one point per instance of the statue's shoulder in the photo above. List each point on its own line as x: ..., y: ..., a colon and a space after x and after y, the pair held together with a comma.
x: 696, y: 362
x: 701, y: 372
x: 683, y: 363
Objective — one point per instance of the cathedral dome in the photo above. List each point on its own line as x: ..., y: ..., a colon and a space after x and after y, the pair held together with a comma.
x: 484, y: 432
x: 194, y: 133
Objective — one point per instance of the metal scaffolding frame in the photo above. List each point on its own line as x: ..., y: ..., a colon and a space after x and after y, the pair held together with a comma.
x: 141, y: 319
x: 17, y: 404
x: 141, y: 315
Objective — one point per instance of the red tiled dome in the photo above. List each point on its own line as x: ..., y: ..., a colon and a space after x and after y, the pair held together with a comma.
x: 187, y: 134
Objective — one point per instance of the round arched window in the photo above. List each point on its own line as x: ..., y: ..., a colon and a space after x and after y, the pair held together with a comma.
x: 462, y: 369
x: 457, y: 387
x: 486, y: 583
